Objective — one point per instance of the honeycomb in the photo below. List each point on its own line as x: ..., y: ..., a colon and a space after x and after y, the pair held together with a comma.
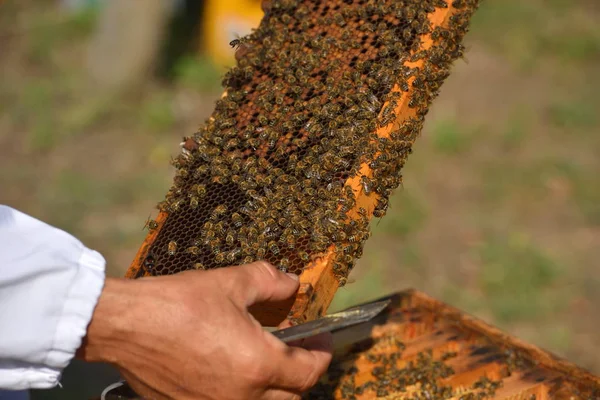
x: 388, y: 375
x: 268, y: 175
x: 422, y: 349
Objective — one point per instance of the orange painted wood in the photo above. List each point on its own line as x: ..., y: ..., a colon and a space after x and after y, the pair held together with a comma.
x: 136, y: 269
x: 480, y: 350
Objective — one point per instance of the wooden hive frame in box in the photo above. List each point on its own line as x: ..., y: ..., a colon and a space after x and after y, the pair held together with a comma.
x: 318, y: 280
x: 477, y: 353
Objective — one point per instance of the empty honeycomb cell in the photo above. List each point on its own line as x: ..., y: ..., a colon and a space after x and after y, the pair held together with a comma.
x: 277, y: 170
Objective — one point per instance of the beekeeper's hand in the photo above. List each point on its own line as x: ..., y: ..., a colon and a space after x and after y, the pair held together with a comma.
x: 190, y: 336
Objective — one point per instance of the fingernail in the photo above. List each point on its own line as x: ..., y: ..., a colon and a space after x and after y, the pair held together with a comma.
x: 293, y: 276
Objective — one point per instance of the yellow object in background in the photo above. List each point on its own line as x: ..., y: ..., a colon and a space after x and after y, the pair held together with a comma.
x: 225, y: 21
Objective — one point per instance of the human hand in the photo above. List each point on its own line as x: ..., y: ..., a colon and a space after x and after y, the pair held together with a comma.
x: 190, y: 336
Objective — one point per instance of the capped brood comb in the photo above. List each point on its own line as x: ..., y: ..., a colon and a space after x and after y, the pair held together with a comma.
x: 307, y: 142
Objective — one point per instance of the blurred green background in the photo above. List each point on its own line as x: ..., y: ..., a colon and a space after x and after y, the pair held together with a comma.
x: 500, y: 209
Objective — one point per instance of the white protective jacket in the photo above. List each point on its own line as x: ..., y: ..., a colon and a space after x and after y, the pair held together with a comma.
x: 49, y: 285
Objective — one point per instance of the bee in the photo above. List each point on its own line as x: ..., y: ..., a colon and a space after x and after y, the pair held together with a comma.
x: 367, y: 184
x: 149, y: 262
x: 304, y: 256
x: 290, y: 241
x: 254, y: 143
x: 182, y: 172
x: 381, y: 207
x: 218, y: 211
x: 260, y: 253
x: 201, y: 171
x: 174, y: 204
x: 194, y: 250
x: 237, y: 42
x: 233, y: 255
x: 227, y: 123
x: 162, y: 206
x: 284, y: 264
x: 208, y: 226
x: 150, y: 224
x: 230, y: 145
x: 262, y: 120
x: 355, y: 238
x: 230, y: 238
x: 220, y: 258
x: 220, y: 228
x: 236, y: 219
x: 199, y: 266
x: 179, y: 162
x: 172, y: 248
x: 273, y: 248
x: 194, y: 202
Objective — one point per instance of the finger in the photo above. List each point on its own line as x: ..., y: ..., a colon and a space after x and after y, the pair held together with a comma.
x: 299, y: 368
x: 286, y: 323
x: 257, y: 282
x: 322, y: 342
x: 279, y: 394
x: 141, y: 388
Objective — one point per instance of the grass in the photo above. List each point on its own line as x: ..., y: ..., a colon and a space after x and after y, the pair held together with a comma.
x: 410, y: 256
x: 586, y: 195
x: 198, y: 73
x: 526, y: 31
x: 509, y: 27
x: 574, y: 46
x: 449, y: 137
x: 505, y: 181
x: 573, y: 115
x: 502, y: 181
x: 516, y: 129
x: 518, y: 279
x: 49, y: 30
x: 156, y: 114
x: 49, y: 111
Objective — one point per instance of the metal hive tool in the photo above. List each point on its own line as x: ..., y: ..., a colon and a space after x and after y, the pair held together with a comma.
x: 307, y: 142
x: 422, y: 349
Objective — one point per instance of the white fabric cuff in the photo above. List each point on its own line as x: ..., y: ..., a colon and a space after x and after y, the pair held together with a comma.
x: 78, y: 307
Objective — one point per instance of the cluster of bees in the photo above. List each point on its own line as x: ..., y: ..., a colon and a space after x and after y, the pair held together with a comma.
x: 265, y: 177
x: 390, y: 377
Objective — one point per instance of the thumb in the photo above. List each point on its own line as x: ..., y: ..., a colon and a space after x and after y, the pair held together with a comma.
x: 257, y: 283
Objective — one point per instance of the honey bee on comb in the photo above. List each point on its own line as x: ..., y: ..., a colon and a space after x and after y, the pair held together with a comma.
x: 150, y: 224
x: 319, y: 114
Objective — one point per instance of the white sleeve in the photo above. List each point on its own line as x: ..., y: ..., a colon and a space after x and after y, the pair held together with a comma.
x: 49, y: 286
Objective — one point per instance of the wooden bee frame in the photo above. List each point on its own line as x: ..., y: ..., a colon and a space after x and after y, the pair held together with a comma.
x: 424, y: 324
x: 318, y: 281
